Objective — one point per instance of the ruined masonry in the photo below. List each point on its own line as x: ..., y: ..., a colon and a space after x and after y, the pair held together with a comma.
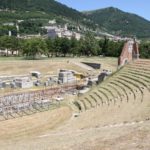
x: 129, y: 53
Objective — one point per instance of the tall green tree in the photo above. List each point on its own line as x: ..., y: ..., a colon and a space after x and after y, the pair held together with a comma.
x: 114, y: 48
x: 110, y: 47
x: 74, y: 46
x: 89, y: 45
x: 145, y: 50
x: 10, y: 43
x: 34, y: 47
x: 105, y: 46
x: 50, y: 47
x: 65, y: 46
x: 57, y: 46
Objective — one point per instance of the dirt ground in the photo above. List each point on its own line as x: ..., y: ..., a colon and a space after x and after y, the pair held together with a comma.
x: 121, y: 136
x: 33, y: 125
x: 51, y: 66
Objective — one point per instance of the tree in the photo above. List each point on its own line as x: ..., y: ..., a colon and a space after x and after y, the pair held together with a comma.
x: 9, y: 43
x: 110, y: 47
x: 89, y: 45
x: 34, y: 47
x: 65, y: 46
x: 105, y: 46
x: 4, y: 30
x: 74, y: 46
x: 57, y: 46
x: 82, y: 47
x: 145, y: 50
x: 50, y: 47
x: 15, y: 44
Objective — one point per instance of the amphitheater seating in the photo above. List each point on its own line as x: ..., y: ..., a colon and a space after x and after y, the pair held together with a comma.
x: 128, y: 84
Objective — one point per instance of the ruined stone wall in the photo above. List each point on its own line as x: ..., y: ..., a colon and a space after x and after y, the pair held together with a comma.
x: 130, y: 51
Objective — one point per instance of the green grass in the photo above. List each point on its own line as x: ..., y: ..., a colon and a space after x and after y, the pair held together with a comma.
x: 10, y: 58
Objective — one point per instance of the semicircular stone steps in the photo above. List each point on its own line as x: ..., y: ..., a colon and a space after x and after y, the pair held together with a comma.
x: 128, y: 85
x: 102, y: 96
x: 118, y: 95
x: 86, y: 104
x: 134, y: 81
x: 143, y: 63
x: 142, y: 80
x: 110, y: 93
x: 141, y: 68
x: 133, y: 87
x: 147, y: 73
x: 98, y: 97
x: 97, y: 102
x: 79, y: 105
x: 102, y: 92
x: 141, y: 75
x: 121, y: 88
x: 91, y: 101
x: 138, y: 73
x: 140, y: 61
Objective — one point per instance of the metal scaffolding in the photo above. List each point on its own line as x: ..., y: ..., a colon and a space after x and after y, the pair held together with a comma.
x: 20, y: 104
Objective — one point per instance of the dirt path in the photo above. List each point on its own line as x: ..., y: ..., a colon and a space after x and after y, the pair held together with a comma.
x: 132, y: 136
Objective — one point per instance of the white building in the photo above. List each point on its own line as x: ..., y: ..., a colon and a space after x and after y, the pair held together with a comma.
x: 8, y: 24
x: 68, y: 34
x: 52, y: 21
x: 54, y: 31
x: 77, y: 35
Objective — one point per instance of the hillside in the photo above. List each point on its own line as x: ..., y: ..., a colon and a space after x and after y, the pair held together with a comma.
x: 12, y: 10
x: 118, y: 22
x: 47, y: 6
x: 110, y: 20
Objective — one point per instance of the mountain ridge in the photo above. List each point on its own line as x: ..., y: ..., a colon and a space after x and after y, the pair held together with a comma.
x: 115, y: 8
x: 117, y: 21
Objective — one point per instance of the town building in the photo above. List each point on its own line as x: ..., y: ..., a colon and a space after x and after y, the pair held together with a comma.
x: 56, y: 31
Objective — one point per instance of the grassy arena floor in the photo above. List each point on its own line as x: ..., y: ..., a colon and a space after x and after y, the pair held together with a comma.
x: 17, y: 66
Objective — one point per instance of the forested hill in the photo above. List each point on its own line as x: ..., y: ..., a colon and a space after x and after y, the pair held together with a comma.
x: 110, y: 20
x: 48, y: 6
x: 118, y: 22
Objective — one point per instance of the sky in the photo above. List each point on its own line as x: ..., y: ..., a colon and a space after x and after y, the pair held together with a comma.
x: 139, y: 7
